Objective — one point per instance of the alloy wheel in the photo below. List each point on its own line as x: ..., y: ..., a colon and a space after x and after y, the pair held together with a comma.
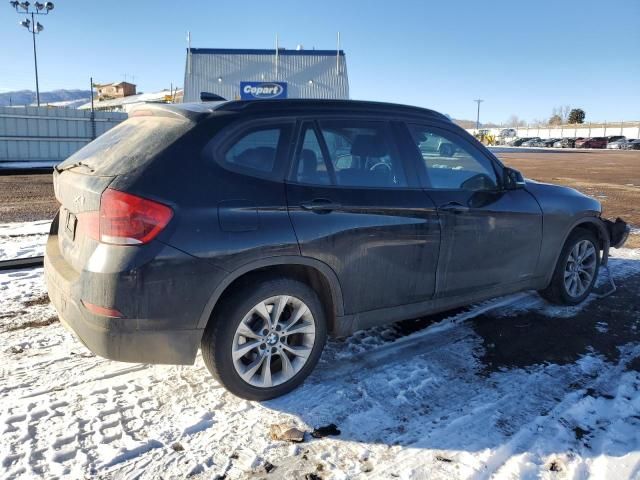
x: 580, y: 268
x: 273, y: 341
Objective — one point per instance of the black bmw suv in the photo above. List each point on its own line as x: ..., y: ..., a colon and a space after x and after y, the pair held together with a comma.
x: 252, y: 230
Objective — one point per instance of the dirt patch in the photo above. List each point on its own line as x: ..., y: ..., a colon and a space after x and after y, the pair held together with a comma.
x: 530, y: 338
x: 34, y: 324
x: 25, y: 198
x: 634, y: 365
x: 42, y: 300
x: 611, y: 177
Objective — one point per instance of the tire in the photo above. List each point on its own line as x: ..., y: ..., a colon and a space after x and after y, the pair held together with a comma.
x: 557, y: 292
x: 224, y: 334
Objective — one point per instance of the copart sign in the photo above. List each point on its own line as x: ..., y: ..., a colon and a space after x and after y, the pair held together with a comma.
x: 262, y: 90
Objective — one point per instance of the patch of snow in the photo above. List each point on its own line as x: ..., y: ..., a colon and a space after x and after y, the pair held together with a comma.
x: 419, y: 406
x: 21, y: 240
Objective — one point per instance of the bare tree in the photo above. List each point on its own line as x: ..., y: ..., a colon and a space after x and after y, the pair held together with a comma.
x: 514, y: 121
x: 555, y: 119
x: 559, y: 115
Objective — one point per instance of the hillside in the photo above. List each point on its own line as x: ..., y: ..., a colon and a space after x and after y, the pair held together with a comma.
x: 28, y: 97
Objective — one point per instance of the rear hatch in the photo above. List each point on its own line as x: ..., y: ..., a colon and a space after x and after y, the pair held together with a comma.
x: 82, y: 179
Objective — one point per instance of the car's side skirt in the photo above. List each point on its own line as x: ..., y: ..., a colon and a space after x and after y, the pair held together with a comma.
x: 347, y: 324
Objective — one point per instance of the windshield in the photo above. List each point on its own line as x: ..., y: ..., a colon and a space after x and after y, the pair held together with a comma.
x: 129, y: 145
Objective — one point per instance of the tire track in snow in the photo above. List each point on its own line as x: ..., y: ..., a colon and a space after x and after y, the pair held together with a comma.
x: 528, y: 435
x: 432, y: 337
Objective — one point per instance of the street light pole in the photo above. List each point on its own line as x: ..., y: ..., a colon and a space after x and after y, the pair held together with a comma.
x: 478, y: 101
x: 34, y: 28
x: 35, y: 59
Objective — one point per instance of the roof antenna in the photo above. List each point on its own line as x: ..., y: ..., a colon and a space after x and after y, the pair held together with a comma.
x: 338, y: 57
x: 277, y: 56
x: 211, y: 97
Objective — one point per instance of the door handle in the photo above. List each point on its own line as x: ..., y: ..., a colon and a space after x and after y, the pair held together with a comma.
x: 453, y: 207
x: 320, y: 205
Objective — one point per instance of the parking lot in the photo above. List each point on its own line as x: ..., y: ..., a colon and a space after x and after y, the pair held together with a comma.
x: 508, y: 388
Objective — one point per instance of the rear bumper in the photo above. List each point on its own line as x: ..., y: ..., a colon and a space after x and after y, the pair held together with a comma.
x: 113, y: 338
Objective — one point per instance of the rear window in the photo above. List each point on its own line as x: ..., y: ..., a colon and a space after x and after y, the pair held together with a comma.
x: 130, y: 144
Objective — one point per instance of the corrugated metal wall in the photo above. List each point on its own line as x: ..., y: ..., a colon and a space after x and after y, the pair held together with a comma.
x: 220, y: 71
x: 46, y: 135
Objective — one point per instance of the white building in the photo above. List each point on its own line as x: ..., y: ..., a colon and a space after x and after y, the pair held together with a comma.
x: 265, y: 73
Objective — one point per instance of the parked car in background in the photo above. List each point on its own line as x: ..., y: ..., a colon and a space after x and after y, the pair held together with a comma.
x: 615, y: 138
x: 633, y: 144
x: 548, y: 142
x: 568, y: 142
x: 253, y: 229
x: 619, y: 144
x: 592, y: 142
x: 519, y: 141
x: 532, y: 142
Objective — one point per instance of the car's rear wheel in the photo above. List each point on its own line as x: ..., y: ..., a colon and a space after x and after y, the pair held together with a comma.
x: 576, y: 271
x: 265, y: 339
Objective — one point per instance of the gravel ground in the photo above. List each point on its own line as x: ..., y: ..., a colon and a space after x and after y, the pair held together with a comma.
x: 26, y: 198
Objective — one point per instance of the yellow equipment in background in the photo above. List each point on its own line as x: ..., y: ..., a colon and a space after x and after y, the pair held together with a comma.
x: 486, y: 137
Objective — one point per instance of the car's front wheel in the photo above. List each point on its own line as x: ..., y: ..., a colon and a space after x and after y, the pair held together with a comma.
x: 576, y: 271
x: 265, y: 339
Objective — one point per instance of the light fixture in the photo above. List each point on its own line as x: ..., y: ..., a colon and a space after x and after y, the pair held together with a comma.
x: 39, y: 6
x: 39, y: 27
x: 25, y: 5
x: 310, y: 82
x: 14, y: 3
x: 48, y: 6
x: 26, y: 23
x: 219, y: 79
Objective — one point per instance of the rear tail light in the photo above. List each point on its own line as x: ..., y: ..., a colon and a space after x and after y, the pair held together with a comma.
x: 124, y: 219
x: 127, y: 219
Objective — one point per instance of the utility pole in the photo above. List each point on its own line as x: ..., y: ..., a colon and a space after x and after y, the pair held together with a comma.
x: 33, y: 27
x: 92, y: 115
x: 478, y: 101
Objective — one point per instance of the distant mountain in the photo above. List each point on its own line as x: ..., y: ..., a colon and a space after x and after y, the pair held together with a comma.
x: 28, y: 97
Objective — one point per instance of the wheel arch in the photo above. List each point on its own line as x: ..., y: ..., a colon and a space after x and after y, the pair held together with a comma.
x: 314, y: 273
x: 594, y: 225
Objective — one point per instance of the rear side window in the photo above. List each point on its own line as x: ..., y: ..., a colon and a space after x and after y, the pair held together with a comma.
x: 130, y: 145
x: 256, y: 150
x: 363, y: 154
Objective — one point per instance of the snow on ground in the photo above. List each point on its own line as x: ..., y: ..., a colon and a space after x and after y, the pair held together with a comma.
x: 20, y: 240
x: 477, y: 394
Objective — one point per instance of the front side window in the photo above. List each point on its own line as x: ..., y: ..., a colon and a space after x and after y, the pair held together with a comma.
x: 255, y: 150
x: 362, y: 154
x: 450, y: 163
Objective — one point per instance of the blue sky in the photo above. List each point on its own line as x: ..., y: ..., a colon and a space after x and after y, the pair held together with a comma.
x: 522, y: 58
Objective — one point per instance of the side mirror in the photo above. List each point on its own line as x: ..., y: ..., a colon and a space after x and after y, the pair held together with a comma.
x: 512, y: 179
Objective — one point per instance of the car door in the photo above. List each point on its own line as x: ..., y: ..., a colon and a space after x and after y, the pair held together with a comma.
x: 354, y: 207
x: 491, y: 236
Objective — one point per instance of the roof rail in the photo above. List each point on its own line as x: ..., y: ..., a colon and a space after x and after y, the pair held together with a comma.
x: 300, y: 103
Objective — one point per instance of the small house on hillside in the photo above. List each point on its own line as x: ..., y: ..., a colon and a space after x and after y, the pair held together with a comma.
x: 108, y: 91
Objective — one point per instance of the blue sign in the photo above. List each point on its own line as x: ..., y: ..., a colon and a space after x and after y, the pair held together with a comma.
x: 262, y: 90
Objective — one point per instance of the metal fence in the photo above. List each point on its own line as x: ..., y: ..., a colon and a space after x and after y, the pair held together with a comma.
x: 628, y: 129
x: 38, y: 136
